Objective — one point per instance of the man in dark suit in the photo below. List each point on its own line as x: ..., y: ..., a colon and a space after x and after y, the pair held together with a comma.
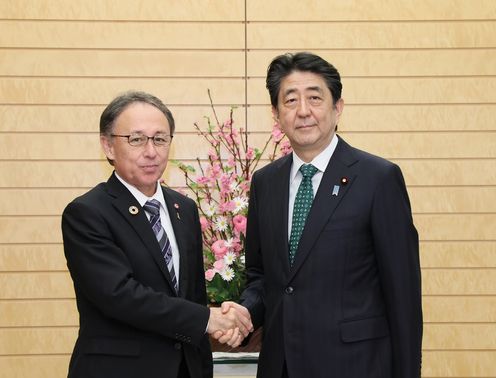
x: 134, y: 251
x: 331, y: 250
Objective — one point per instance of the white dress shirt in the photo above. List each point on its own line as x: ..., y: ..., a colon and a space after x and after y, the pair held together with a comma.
x: 320, y: 162
x: 164, y: 218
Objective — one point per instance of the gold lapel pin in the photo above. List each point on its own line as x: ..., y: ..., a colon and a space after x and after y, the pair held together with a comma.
x: 133, y: 210
x: 176, y: 206
x: 344, y: 180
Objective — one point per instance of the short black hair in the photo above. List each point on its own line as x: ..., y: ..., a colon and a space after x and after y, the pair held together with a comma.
x: 120, y: 103
x: 285, y: 64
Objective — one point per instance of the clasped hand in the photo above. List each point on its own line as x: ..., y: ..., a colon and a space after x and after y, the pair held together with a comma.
x: 230, y: 323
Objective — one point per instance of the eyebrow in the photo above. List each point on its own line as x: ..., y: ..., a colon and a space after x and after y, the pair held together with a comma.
x: 314, y: 88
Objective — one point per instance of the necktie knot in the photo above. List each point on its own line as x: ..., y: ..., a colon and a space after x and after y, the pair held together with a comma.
x: 308, y: 170
x: 152, y: 207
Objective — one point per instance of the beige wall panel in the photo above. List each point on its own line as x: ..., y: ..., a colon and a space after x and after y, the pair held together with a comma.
x: 458, y: 254
x: 86, y: 174
x: 67, y: 118
x: 365, y: 35
x: 450, y: 90
x: 54, y: 340
x: 32, y: 257
x: 397, y: 117
x: 185, y: 10
x: 393, y: 63
x: 453, y: 200
x: 23, y: 230
x: 458, y: 364
x: 36, y: 366
x: 458, y: 309
x: 459, y: 282
x: 121, y: 35
x: 94, y: 91
x: 459, y: 336
x: 38, y: 313
x: 360, y: 10
x: 456, y: 226
x: 122, y: 63
x: 36, y: 201
x: 44, y: 285
x: 426, y: 145
x: 448, y: 172
x: 49, y: 174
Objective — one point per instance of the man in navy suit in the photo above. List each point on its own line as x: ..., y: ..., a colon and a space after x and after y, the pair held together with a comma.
x: 134, y: 251
x: 343, y: 299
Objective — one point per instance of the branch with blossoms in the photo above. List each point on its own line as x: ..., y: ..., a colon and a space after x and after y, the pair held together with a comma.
x: 220, y: 187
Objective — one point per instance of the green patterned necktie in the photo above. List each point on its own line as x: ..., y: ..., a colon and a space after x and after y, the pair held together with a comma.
x: 302, y: 205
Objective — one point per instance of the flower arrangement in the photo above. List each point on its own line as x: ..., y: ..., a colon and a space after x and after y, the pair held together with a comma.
x: 220, y: 186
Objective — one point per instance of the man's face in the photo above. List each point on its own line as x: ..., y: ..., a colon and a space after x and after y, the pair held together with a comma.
x: 306, y: 113
x: 139, y: 166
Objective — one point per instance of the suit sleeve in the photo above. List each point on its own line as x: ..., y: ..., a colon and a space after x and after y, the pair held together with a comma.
x: 252, y: 296
x: 103, y: 276
x: 396, y: 245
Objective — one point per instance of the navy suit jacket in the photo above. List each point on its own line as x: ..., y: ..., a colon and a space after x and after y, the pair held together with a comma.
x: 132, y: 322
x: 350, y: 306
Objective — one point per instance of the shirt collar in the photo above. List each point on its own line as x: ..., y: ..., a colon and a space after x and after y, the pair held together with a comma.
x: 320, y: 161
x: 140, y: 197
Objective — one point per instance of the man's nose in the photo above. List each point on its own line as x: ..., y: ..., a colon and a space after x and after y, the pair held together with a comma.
x: 150, y: 148
x: 303, y: 108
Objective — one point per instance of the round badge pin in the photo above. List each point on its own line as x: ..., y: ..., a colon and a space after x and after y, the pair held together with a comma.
x: 344, y: 180
x: 133, y: 210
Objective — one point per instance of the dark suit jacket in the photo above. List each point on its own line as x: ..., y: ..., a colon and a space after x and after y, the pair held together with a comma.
x: 350, y: 307
x: 132, y: 323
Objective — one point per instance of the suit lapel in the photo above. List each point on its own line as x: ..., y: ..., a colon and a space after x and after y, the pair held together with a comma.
x: 325, y: 203
x: 280, y: 187
x: 125, y: 203
x: 181, y: 240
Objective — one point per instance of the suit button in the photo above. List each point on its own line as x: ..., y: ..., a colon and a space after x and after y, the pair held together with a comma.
x: 289, y: 290
x: 177, y: 346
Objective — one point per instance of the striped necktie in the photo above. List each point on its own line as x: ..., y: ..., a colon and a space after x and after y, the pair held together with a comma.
x: 302, y: 205
x: 152, y: 207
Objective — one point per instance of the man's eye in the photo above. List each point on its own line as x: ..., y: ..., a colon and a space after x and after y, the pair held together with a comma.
x: 136, y: 139
x: 159, y: 139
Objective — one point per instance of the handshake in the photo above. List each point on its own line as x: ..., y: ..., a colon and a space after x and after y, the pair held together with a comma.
x: 230, y: 323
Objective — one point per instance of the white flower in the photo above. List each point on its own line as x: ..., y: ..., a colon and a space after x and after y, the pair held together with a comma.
x: 210, y: 210
x: 227, y: 274
x: 229, y: 258
x: 240, y: 202
x: 221, y: 223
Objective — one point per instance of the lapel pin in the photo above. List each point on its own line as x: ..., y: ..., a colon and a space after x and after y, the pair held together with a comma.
x: 176, y: 206
x: 133, y: 210
x: 335, y: 190
x: 344, y: 180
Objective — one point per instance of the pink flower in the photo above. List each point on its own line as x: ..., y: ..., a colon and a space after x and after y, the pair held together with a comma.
x: 240, y: 223
x: 227, y: 206
x: 202, y: 180
x: 204, y: 223
x: 213, y: 155
x: 277, y: 133
x: 219, y: 265
x: 209, y: 274
x: 219, y: 248
x: 250, y: 153
x: 285, y: 147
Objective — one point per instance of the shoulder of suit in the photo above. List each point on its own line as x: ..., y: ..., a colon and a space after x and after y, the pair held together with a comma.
x: 274, y: 166
x: 176, y: 196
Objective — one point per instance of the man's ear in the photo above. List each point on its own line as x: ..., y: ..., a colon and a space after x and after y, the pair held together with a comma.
x: 107, y: 147
x: 339, y: 108
x: 275, y: 114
